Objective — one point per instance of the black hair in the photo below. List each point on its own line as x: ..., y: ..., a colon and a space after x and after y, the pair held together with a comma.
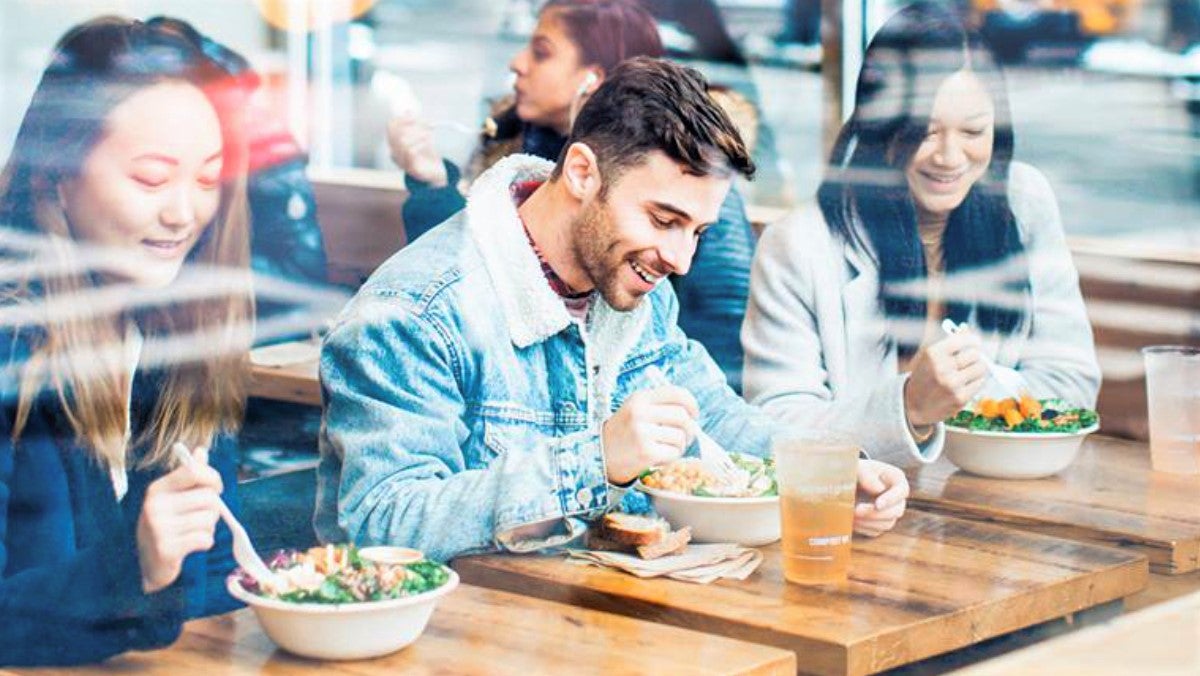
x: 648, y: 105
x: 866, y: 200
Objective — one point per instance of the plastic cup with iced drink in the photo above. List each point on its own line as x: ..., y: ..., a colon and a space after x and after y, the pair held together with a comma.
x: 817, y: 476
x: 1173, y: 402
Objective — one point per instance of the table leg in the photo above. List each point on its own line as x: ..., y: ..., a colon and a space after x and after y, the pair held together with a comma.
x: 1100, y: 614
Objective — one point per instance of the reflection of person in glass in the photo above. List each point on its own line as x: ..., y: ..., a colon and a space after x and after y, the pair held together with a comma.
x: 575, y: 45
x: 922, y: 216
x: 125, y: 189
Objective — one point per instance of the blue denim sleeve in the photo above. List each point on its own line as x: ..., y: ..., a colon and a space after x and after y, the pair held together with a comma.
x: 427, y: 206
x: 393, y: 468
x: 713, y: 295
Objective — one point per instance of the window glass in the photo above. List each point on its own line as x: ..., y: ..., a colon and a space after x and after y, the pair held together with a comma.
x: 1106, y: 102
x: 1105, y: 95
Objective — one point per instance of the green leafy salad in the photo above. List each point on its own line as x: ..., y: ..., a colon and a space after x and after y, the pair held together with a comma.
x: 338, y: 574
x: 1024, y: 415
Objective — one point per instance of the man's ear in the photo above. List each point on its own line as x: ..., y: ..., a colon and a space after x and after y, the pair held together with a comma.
x: 581, y: 172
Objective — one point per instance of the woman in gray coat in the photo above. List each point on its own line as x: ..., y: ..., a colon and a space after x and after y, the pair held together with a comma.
x: 922, y: 216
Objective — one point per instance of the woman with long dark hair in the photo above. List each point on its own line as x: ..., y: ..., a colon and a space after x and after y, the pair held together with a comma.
x: 575, y: 44
x: 125, y: 317
x: 923, y: 216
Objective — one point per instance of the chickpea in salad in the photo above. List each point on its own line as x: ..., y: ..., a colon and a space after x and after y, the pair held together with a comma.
x: 338, y: 574
x: 691, y: 477
x: 1024, y: 415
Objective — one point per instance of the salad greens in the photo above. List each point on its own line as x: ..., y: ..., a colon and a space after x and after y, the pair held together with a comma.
x: 1024, y: 415
x: 338, y: 574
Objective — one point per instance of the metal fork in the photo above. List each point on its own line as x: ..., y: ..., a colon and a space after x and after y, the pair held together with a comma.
x: 243, y: 549
x: 711, y: 452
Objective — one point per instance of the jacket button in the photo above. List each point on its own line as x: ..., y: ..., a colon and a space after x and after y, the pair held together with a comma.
x: 584, y: 496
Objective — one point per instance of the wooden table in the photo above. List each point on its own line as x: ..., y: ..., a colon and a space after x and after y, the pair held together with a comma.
x: 298, y: 383
x: 932, y: 585
x: 1109, y: 495
x: 1164, y: 588
x: 473, y: 631
x: 1162, y: 640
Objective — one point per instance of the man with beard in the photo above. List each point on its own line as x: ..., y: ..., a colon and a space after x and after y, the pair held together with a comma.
x: 490, y: 385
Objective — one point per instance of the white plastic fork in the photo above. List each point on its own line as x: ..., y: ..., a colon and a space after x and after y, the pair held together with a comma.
x: 1007, y: 379
x: 243, y: 549
x: 711, y: 452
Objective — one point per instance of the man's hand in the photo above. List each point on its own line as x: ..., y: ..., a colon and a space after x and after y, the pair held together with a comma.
x: 652, y: 427
x: 882, y: 492
x: 945, y: 375
x: 410, y: 141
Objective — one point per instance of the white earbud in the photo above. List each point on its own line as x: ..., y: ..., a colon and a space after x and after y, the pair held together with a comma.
x: 588, y: 81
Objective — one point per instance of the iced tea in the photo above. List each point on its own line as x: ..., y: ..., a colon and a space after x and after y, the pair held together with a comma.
x: 816, y: 538
x: 817, y: 480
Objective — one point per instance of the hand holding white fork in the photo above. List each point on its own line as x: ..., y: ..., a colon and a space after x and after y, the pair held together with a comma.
x: 1007, y: 379
x: 243, y: 549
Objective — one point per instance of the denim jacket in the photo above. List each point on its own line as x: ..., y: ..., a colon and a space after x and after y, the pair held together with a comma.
x: 463, y: 405
x: 712, y: 297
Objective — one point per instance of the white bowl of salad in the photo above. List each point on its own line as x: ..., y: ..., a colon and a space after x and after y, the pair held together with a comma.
x: 745, y: 510
x: 343, y: 603
x: 1022, y: 438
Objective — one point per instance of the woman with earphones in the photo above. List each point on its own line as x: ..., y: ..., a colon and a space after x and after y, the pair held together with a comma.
x: 575, y: 44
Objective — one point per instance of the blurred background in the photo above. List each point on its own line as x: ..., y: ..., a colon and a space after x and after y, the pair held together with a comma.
x: 1105, y: 96
x: 1106, y: 93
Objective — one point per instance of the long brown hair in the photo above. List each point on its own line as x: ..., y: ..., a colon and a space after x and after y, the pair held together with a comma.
x: 198, y: 332
x: 607, y: 32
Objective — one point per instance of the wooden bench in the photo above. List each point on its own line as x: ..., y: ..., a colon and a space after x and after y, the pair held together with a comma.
x: 360, y: 221
x: 1133, y: 302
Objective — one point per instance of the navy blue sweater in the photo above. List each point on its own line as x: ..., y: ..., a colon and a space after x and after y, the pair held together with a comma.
x: 71, y: 586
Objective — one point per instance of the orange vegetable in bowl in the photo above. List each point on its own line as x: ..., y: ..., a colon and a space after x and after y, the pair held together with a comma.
x: 988, y: 408
x: 1029, y: 407
x: 1013, y: 417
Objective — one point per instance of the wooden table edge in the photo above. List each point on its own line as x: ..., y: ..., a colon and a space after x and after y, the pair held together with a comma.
x: 845, y: 658
x: 269, y: 382
x: 1180, y: 557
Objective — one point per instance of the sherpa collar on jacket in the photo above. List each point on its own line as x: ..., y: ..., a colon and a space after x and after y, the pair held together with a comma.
x: 532, y: 311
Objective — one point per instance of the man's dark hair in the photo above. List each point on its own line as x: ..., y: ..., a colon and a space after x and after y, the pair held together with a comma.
x: 648, y: 104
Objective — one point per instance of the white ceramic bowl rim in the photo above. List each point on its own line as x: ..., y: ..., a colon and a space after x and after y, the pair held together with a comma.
x: 237, y: 591
x: 1023, y: 435
x: 700, y: 499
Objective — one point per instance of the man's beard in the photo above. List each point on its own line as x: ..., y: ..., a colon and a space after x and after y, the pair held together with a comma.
x: 594, y: 246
